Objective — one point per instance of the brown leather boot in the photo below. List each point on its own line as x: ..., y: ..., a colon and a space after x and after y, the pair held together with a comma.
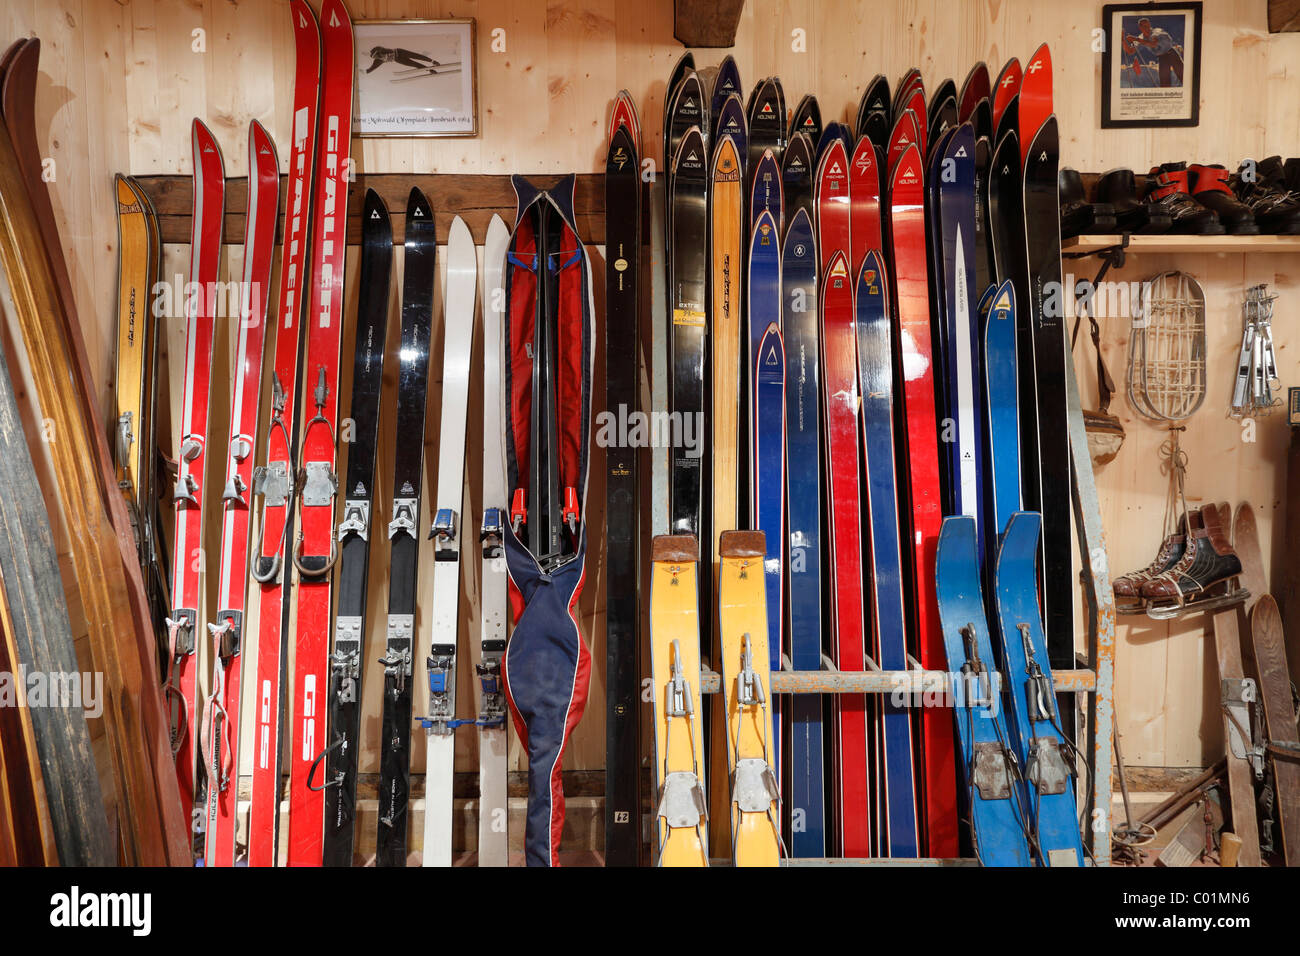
x: 1128, y: 587
x: 1209, y: 561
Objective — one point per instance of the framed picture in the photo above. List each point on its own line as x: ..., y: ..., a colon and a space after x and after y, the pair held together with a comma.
x: 1151, y: 65
x: 416, y: 78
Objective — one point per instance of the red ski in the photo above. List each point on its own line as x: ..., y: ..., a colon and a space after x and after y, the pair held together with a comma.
x: 915, y: 104
x: 221, y: 713
x: 833, y: 211
x: 624, y: 114
x: 864, y: 202
x: 905, y: 133
x: 187, y: 552
x: 1006, y: 89
x: 1035, y: 98
x: 274, y: 481
x: 918, y: 460
x: 840, y: 375
x: 316, y: 548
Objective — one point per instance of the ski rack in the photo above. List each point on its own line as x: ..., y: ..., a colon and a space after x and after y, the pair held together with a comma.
x: 919, y: 683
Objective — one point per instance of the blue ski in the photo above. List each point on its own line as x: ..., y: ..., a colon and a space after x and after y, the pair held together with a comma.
x: 956, y: 221
x: 1045, y: 757
x: 763, y: 290
x: 884, y: 572
x: 1001, y: 395
x: 995, y: 799
x: 765, y: 192
x: 805, y: 795
x: 769, y: 475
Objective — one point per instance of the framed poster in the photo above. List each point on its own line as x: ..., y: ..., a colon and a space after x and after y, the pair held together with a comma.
x: 1151, y: 65
x: 416, y: 78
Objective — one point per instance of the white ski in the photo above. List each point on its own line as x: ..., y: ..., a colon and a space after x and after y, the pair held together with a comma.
x: 493, y: 842
x: 440, y: 724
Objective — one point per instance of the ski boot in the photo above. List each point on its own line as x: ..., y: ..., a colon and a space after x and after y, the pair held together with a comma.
x: 1167, y: 188
x: 1275, y: 207
x: 1210, y: 189
x: 1128, y: 587
x: 1292, y: 167
x: 1119, y: 188
x: 1205, y: 577
x: 1078, y: 216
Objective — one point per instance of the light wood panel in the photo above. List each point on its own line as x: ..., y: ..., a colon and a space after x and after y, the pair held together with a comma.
x: 120, y: 82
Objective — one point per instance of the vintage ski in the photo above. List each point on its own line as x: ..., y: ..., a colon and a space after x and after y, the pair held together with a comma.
x: 276, y: 480
x: 744, y: 622
x: 797, y: 172
x: 956, y: 226
x: 134, y: 440
x: 688, y: 215
x: 944, y: 119
x: 805, y: 790
x: 731, y: 122
x: 1283, y: 744
x: 1001, y: 446
x: 685, y: 64
x: 875, y: 99
x: 946, y: 90
x: 766, y: 120
x: 1046, y: 757
x: 315, y: 550
x: 852, y: 802
x: 726, y: 231
x: 624, y: 113
x: 939, y: 326
x: 914, y: 103
x: 493, y: 823
x: 768, y: 483
x: 440, y: 665
x: 888, y: 628
x: 832, y: 132
x: 994, y: 798
x: 221, y: 721
x: 681, y: 824
x: 974, y: 88
x: 807, y: 119
x: 905, y: 133
x: 864, y: 202
x: 834, y: 210
x: 187, y: 571
x: 919, y: 496
x: 347, y: 667
x: 622, y: 545
x: 726, y: 84
x: 686, y: 112
x: 1035, y: 99
x: 765, y: 191
x: 1005, y: 89
x: 1046, y: 319
x: 419, y: 265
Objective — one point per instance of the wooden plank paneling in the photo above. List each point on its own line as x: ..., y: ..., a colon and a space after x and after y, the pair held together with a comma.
x: 120, y: 83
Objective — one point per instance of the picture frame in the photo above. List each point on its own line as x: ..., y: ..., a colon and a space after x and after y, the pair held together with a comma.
x: 1151, y: 65
x: 416, y: 78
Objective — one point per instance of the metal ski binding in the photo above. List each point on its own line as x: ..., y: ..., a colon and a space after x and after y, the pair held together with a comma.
x: 977, y: 687
x: 356, y: 519
x: 125, y: 439
x: 682, y: 802
x: 1239, y: 694
x: 345, y: 663
x: 1038, y: 687
x: 397, y: 660
x: 440, y: 716
x: 445, y: 535
x: 518, y: 513
x: 230, y: 630
x: 404, y: 517
x: 491, y: 533
x: 185, y: 488
x: 570, y: 512
x: 492, y: 710
x: 749, y: 690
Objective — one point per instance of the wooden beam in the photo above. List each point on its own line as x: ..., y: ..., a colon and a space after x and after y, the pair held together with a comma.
x: 706, y: 23
x: 1284, y: 16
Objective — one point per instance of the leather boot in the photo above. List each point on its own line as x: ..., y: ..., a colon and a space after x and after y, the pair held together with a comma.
x: 1167, y: 187
x: 1210, y: 187
x: 1128, y: 587
x: 1275, y: 207
x: 1078, y: 216
x: 1118, y: 187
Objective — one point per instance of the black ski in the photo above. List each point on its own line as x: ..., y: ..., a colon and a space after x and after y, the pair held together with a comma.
x: 1043, y: 244
x: 346, y: 665
x: 766, y: 124
x: 797, y: 174
x: 403, y: 531
x: 622, y: 610
x: 687, y: 205
x: 807, y: 119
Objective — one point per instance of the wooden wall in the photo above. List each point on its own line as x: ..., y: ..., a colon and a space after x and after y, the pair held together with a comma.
x: 121, y: 80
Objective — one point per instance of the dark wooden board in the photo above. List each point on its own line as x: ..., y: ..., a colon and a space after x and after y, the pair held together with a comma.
x: 475, y: 198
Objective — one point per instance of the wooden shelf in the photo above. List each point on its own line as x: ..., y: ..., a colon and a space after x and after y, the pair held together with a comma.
x: 1168, y: 244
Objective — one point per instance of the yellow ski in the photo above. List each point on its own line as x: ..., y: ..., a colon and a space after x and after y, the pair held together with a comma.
x: 675, y: 668
x: 746, y: 684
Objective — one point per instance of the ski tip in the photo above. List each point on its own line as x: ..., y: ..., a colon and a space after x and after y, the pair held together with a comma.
x: 1022, y: 532
x: 838, y: 267
x: 871, y: 276
x: 417, y: 207
x: 800, y: 228
x: 459, y: 234
x: 373, y: 208
x: 675, y: 548
x: 742, y: 544
x: 764, y: 226
x: 726, y: 159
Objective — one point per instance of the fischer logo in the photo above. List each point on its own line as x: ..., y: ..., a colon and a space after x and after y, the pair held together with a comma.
x: 961, y: 152
x: 77, y: 910
x: 1035, y: 66
x: 1008, y: 80
x: 309, y: 718
x: 834, y: 169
